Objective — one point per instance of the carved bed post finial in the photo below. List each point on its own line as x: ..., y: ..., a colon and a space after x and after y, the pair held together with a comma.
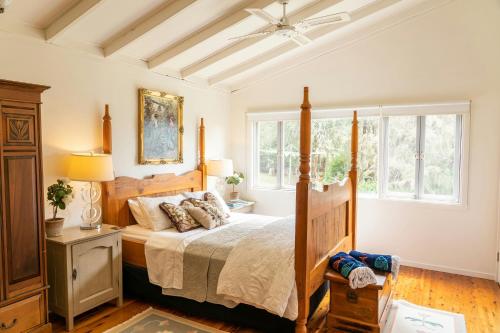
x: 353, y: 175
x: 305, y: 138
x: 202, y: 166
x: 106, y: 132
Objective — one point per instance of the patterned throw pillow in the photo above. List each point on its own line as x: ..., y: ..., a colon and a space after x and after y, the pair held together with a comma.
x: 180, y: 217
x: 216, y: 215
x: 212, y: 199
x: 202, y: 217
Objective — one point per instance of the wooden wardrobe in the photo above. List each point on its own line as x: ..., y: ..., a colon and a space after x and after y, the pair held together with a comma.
x: 23, y: 287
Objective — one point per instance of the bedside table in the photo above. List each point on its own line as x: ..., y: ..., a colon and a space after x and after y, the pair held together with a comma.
x: 84, y: 269
x: 241, y: 206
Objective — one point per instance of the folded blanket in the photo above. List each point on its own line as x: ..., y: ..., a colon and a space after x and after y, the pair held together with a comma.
x: 381, y: 262
x: 358, y: 273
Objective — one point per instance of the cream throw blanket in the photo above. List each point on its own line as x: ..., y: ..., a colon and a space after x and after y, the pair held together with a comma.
x: 260, y: 270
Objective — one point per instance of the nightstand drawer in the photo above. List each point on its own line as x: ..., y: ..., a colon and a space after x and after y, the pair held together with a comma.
x: 21, y: 316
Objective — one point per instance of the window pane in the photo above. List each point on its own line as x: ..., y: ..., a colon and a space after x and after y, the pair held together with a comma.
x: 401, y: 149
x: 291, y: 158
x: 367, y: 154
x: 330, y: 157
x: 267, y: 153
x: 439, y: 154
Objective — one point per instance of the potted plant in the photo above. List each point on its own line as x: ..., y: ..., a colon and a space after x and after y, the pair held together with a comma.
x: 235, y: 180
x: 59, y: 195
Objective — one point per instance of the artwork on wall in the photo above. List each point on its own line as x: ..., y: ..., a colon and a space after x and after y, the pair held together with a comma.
x: 160, y: 127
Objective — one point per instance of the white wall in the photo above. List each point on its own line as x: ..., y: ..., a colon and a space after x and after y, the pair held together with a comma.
x: 73, y: 107
x: 451, y: 53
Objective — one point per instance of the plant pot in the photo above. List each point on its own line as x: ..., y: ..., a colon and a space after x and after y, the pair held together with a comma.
x: 234, y: 196
x: 53, y: 227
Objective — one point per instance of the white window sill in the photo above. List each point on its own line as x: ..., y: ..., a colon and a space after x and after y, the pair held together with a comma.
x: 390, y: 200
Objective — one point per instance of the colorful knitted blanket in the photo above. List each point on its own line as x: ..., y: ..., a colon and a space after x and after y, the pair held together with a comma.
x: 381, y: 262
x: 358, y: 274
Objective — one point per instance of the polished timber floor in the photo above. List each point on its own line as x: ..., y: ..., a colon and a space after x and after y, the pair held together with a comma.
x: 477, y: 299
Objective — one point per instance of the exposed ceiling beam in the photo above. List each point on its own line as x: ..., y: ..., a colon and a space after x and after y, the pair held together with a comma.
x: 235, y: 16
x: 288, y: 46
x: 301, y: 14
x: 69, y: 18
x: 145, y: 25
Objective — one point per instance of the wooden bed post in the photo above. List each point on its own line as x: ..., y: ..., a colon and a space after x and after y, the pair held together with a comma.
x: 202, y: 166
x: 106, y: 132
x: 302, y: 216
x: 353, y: 176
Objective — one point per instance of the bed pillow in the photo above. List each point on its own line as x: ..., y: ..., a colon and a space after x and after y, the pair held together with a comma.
x: 151, y: 210
x: 135, y: 208
x: 180, y: 217
x: 216, y: 217
x: 200, y: 195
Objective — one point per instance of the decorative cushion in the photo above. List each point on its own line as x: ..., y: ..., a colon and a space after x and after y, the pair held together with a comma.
x: 200, y: 195
x: 212, y: 199
x: 202, y: 217
x: 135, y: 208
x: 156, y: 219
x: 179, y: 216
x: 216, y: 215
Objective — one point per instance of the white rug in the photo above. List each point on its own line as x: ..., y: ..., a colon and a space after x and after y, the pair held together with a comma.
x: 406, y: 317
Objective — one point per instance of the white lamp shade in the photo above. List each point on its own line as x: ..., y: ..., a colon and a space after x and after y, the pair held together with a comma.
x: 220, y: 168
x: 91, y: 167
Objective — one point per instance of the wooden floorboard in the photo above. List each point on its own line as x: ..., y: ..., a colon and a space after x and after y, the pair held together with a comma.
x: 478, y: 299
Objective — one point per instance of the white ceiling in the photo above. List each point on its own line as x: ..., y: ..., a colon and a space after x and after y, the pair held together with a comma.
x: 185, y: 38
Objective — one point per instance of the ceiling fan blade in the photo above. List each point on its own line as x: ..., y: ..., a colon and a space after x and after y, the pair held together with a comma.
x: 263, y: 15
x: 324, y: 20
x: 301, y: 39
x: 254, y: 35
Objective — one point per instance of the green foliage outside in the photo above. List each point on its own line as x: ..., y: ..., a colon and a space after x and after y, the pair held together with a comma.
x: 331, y: 153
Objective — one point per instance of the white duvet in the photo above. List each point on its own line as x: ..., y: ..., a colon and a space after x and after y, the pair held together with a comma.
x: 259, y: 271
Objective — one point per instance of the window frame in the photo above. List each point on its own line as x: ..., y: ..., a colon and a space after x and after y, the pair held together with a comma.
x: 460, y: 109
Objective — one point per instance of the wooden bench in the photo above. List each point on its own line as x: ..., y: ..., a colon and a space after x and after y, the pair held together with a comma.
x: 358, y: 310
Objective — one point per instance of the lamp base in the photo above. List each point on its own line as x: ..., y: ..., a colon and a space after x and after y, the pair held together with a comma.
x: 96, y: 226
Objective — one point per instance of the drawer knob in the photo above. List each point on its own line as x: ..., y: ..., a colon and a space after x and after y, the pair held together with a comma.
x: 75, y: 274
x: 352, y: 297
x: 8, y: 326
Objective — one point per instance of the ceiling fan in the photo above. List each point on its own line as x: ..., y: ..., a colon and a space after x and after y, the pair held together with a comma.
x: 295, y: 32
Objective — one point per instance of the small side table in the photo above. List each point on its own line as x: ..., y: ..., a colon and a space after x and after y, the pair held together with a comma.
x: 84, y: 270
x: 241, y: 206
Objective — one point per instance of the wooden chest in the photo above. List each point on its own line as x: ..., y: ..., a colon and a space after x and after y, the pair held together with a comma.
x: 358, y: 310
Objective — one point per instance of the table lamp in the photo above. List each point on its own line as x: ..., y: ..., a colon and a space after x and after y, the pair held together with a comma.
x: 90, y: 167
x: 221, y: 169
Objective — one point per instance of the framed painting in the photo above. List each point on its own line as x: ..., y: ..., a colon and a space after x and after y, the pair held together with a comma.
x: 160, y: 127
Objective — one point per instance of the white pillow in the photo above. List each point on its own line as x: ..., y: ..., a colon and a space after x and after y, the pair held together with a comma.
x: 199, y: 195
x: 156, y: 218
x: 135, y: 208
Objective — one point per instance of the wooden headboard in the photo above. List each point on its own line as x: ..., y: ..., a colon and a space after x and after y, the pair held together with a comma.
x: 115, y: 193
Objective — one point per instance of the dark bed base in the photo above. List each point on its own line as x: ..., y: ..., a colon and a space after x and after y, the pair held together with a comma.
x: 136, y: 284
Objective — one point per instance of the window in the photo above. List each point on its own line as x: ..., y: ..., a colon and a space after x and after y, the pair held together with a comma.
x: 277, y: 152
x: 412, y: 152
x: 422, y: 159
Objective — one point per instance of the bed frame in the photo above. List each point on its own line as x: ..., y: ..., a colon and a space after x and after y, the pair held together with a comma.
x: 325, y: 220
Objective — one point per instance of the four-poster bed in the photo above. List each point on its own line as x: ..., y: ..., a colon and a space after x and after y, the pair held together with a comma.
x: 325, y: 221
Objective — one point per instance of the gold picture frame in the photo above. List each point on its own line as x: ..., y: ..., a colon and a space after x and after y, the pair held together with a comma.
x: 160, y: 127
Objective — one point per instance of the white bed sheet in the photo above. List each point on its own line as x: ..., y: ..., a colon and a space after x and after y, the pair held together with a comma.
x: 164, y: 249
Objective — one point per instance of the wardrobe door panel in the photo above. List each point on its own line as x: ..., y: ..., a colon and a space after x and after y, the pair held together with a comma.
x: 22, y: 223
